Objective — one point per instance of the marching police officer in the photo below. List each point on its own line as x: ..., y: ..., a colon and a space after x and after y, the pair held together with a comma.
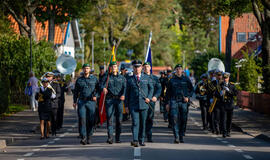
x: 162, y: 81
x: 139, y: 92
x: 114, y: 87
x: 228, y: 92
x: 168, y: 77
x: 157, y: 91
x: 178, y: 94
x: 124, y: 73
x: 85, y: 96
x: 201, y: 95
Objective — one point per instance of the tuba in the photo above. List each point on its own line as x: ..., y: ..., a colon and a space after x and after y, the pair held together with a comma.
x: 66, y: 64
x: 214, y: 64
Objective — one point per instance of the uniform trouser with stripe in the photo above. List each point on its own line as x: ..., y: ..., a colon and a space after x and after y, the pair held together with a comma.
x: 204, y: 111
x: 54, y: 120
x: 226, y: 120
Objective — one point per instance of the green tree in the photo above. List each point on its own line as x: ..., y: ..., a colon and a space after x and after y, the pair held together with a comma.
x: 20, y: 10
x: 261, y: 10
x: 57, y: 12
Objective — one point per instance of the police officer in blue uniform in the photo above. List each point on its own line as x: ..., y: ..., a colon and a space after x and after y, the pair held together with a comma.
x: 85, y: 96
x: 163, y: 82
x: 114, y: 87
x: 178, y: 95
x: 139, y: 93
x: 157, y: 91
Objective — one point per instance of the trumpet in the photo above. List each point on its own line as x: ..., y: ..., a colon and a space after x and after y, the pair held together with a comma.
x: 213, y: 104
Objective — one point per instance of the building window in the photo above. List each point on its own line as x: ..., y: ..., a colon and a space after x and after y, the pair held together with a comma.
x: 252, y: 36
x: 241, y: 37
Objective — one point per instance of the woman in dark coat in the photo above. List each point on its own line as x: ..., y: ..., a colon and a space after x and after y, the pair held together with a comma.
x: 45, y: 107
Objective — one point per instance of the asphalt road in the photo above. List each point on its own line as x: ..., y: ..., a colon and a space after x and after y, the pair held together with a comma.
x: 198, y: 145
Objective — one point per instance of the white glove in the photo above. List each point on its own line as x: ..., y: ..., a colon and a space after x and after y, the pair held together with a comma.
x: 53, y: 96
x: 227, y: 89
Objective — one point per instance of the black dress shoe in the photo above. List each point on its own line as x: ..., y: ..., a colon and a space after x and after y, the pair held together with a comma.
x: 181, y: 140
x: 224, y: 135
x: 110, y: 140
x: 176, y: 141
x: 42, y: 138
x: 88, y: 140
x: 228, y: 134
x: 142, y: 144
x: 117, y: 141
x: 150, y: 141
x: 135, y: 144
x: 83, y: 141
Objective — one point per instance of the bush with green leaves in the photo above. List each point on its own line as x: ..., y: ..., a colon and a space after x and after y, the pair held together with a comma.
x: 249, y: 74
x: 15, y: 66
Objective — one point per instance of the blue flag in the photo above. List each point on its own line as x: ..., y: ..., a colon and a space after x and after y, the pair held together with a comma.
x: 148, y: 57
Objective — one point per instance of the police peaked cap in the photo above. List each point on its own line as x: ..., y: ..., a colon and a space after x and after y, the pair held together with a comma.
x: 136, y: 63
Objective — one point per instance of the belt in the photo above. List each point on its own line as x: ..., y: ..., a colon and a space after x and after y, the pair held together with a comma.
x: 110, y: 96
x: 87, y: 99
x: 177, y: 98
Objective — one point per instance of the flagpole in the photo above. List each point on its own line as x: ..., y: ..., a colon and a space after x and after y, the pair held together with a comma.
x: 149, y: 44
x: 93, y: 50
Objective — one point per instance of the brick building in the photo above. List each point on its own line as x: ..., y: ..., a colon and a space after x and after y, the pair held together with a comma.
x: 246, y: 36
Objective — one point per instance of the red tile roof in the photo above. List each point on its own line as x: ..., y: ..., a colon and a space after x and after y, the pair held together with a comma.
x: 42, y: 31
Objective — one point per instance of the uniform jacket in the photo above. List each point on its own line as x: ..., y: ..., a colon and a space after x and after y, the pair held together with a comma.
x: 86, y: 88
x: 227, y: 98
x: 116, y: 85
x: 56, y: 86
x: 135, y: 96
x: 201, y: 85
x: 178, y: 87
x: 45, y: 101
x: 156, y: 85
x: 163, y: 86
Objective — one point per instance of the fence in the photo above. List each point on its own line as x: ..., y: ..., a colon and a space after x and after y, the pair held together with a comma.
x: 255, y: 101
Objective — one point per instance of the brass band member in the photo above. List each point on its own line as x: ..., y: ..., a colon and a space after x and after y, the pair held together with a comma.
x: 228, y: 92
x: 201, y: 95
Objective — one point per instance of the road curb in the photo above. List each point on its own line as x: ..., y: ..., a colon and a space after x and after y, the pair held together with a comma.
x: 260, y: 136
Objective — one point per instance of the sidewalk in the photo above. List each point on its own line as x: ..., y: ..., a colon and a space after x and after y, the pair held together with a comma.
x: 24, y: 125
x: 249, y: 122
x: 252, y: 123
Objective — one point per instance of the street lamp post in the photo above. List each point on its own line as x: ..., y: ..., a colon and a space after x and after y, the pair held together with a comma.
x: 93, y: 50
x: 30, y: 36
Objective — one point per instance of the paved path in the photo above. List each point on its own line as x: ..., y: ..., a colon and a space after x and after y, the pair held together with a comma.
x: 198, y: 144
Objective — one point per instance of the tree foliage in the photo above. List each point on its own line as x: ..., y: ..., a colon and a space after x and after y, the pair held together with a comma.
x: 15, y: 64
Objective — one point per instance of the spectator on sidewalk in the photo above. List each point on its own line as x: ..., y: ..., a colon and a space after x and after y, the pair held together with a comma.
x: 44, y: 97
x: 192, y: 78
x: 32, y: 86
